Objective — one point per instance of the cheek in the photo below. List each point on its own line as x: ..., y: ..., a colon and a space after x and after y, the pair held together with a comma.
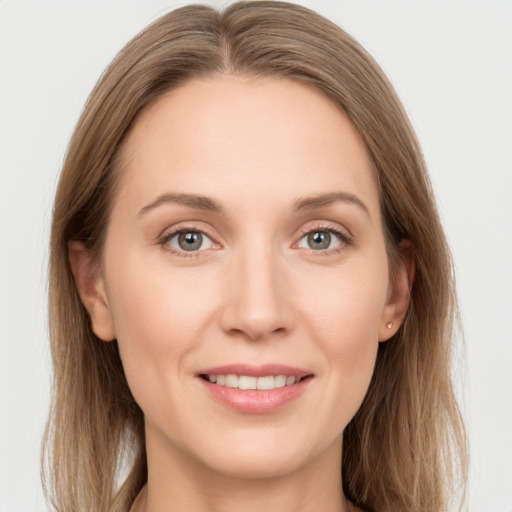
x: 151, y: 303
x: 344, y: 322
x: 347, y: 303
x: 159, y: 316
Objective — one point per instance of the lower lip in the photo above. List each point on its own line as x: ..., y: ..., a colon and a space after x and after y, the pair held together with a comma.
x: 254, y: 401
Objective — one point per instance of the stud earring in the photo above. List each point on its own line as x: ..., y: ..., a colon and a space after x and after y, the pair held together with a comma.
x: 389, y: 325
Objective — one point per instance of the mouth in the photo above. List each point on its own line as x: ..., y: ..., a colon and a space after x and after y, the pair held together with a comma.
x: 250, y: 382
x: 255, y: 389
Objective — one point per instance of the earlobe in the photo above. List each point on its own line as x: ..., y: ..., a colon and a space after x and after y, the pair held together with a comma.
x: 91, y: 290
x: 400, y: 292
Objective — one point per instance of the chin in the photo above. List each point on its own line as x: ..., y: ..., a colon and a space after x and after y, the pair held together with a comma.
x: 265, y: 466
x: 260, y: 457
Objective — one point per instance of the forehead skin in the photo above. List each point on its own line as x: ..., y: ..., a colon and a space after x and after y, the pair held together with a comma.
x: 232, y: 125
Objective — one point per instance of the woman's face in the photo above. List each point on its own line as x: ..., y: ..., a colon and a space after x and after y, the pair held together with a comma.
x: 246, y: 247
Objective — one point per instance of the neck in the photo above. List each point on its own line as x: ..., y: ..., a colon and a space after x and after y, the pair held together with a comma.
x: 178, y: 482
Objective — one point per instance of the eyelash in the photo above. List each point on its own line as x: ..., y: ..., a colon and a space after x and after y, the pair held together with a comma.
x: 344, y: 238
x: 165, y: 238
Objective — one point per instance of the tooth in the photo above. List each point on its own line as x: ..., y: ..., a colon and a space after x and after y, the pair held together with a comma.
x: 246, y: 382
x: 231, y: 381
x: 267, y: 382
x: 280, y: 381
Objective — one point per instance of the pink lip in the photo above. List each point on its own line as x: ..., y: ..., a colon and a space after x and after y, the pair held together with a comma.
x: 255, y: 401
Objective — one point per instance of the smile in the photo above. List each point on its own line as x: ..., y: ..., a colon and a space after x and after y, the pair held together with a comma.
x: 253, y: 389
x: 266, y: 382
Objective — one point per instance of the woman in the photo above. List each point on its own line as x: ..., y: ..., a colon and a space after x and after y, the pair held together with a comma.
x: 249, y: 286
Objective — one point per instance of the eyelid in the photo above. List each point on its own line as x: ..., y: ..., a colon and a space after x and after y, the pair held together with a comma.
x: 326, y: 226
x: 344, y: 236
x: 170, y: 232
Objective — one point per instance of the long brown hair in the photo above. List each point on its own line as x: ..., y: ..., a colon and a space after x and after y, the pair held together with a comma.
x: 405, y: 449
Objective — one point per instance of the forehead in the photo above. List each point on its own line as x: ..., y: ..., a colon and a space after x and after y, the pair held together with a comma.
x: 267, y: 137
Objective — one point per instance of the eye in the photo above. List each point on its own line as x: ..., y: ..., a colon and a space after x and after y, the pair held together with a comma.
x: 189, y: 241
x: 322, y: 240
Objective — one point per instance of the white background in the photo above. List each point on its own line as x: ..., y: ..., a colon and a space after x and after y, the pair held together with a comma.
x: 451, y: 62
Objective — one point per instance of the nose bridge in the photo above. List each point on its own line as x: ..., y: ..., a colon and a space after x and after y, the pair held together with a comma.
x: 258, y: 303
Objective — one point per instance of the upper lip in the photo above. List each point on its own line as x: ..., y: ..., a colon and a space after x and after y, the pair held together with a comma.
x: 256, y: 370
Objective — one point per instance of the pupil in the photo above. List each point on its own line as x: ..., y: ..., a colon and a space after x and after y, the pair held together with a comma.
x: 319, y: 240
x: 190, y: 241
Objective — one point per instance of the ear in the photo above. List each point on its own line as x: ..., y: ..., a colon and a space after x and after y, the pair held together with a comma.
x: 399, y: 293
x: 91, y: 289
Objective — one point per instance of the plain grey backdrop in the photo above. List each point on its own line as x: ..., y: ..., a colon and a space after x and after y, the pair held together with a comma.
x: 451, y: 63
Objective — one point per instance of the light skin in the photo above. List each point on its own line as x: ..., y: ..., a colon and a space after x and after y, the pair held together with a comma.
x: 292, y: 269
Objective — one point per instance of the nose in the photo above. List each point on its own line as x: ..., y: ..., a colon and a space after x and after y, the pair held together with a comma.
x: 258, y: 301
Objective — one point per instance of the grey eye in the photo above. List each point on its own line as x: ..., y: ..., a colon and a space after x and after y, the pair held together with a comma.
x: 190, y: 241
x: 319, y: 240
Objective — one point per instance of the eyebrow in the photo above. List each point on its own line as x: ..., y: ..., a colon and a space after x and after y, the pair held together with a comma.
x: 300, y: 204
x: 190, y: 200
x: 322, y: 200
